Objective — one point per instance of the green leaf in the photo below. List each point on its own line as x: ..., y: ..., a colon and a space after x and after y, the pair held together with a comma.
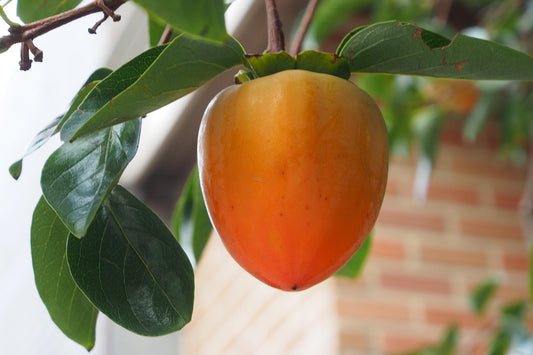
x: 449, y: 342
x: 516, y: 310
x: 326, y: 63
x: 427, y: 124
x: 479, y: 115
x: 38, y: 141
x: 68, y: 307
x: 15, y: 169
x: 515, y: 123
x: 500, y: 343
x: 78, y: 176
x: 108, y: 88
x: 402, y: 100
x: 53, y: 127
x: 481, y: 296
x: 513, y: 320
x: 33, y: 10
x: 132, y: 268
x: 447, y: 346
x: 91, y: 82
x: 153, y: 79
x: 531, y: 274
x: 190, y: 220
x: 354, y: 267
x: 400, y: 48
x: 199, y: 17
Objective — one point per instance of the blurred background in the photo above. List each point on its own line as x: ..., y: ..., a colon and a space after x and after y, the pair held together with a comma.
x: 450, y: 255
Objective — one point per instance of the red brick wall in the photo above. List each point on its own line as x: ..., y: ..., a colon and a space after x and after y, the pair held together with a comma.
x: 426, y: 258
x: 236, y: 314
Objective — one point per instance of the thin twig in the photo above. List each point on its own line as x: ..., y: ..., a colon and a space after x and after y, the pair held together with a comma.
x: 442, y: 10
x: 37, y: 53
x: 276, y: 42
x: 25, y: 61
x: 296, y: 45
x: 166, y: 36
x: 24, y: 33
x: 93, y: 29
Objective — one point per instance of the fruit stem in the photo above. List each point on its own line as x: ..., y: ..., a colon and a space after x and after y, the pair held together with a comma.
x: 276, y: 41
x: 296, y: 45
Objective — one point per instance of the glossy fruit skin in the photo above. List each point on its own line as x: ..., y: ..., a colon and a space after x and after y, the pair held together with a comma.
x: 293, y: 168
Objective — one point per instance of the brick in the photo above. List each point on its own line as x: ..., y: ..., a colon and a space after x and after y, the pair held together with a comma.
x: 364, y: 309
x: 415, y: 283
x: 490, y: 229
x: 473, y: 345
x: 453, y: 256
x: 452, y: 193
x: 446, y: 316
x: 452, y: 136
x: 412, y: 219
x: 353, y: 341
x: 349, y: 285
x: 488, y: 171
x: 507, y: 199
x: 387, y: 249
x: 515, y: 262
x: 507, y: 294
x: 397, y: 344
x: 479, y: 349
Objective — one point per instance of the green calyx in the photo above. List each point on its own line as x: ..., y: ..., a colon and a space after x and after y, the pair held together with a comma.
x: 270, y: 63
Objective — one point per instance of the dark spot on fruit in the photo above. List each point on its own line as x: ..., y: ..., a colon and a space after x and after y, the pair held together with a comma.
x: 294, y: 287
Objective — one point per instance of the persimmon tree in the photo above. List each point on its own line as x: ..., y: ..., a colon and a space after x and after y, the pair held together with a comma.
x: 122, y: 259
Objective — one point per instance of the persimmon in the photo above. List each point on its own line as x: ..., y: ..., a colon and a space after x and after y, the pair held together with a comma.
x: 293, y: 168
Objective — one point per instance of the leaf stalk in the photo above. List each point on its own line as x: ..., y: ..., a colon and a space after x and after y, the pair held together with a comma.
x: 4, y: 17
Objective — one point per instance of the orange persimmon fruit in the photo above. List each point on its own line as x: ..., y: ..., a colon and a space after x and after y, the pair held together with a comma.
x: 293, y: 168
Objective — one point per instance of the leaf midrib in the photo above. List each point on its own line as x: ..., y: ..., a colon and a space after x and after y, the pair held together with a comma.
x: 156, y: 282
